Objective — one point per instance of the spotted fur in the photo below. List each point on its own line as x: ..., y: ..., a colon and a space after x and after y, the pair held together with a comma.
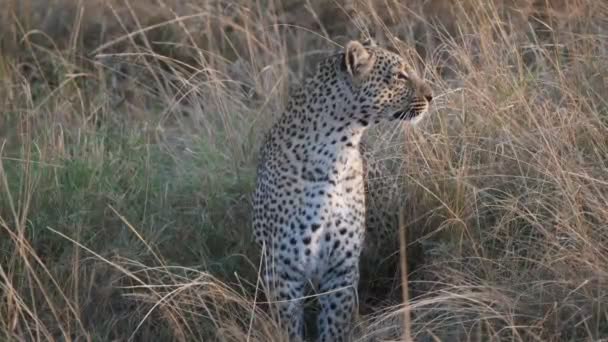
x: 309, y: 202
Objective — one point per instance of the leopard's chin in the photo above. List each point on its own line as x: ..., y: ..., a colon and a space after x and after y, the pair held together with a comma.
x: 412, y: 114
x: 405, y: 115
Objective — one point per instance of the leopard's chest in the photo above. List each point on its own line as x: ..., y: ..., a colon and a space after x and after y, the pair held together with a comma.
x: 326, y: 223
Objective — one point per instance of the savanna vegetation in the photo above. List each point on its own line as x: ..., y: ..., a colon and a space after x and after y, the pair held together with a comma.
x: 129, y: 131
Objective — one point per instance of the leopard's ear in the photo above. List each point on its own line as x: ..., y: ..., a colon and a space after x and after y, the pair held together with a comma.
x: 369, y: 42
x: 359, y: 61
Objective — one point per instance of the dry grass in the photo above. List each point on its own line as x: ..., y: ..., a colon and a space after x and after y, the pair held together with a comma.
x: 128, y: 137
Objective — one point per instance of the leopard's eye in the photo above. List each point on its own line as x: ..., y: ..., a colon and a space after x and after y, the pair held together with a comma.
x: 403, y: 76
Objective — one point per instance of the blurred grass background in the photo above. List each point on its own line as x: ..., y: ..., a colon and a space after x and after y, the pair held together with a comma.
x: 128, y: 140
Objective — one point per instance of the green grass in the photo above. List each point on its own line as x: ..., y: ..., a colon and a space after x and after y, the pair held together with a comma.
x: 109, y: 180
x: 128, y: 156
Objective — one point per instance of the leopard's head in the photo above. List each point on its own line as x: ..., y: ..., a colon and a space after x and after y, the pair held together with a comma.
x: 385, y: 86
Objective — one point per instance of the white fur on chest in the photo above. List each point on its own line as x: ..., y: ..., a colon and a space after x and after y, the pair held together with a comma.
x: 336, y: 208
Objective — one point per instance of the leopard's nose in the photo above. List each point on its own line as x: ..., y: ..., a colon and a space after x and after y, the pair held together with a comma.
x: 427, y: 92
x: 424, y: 90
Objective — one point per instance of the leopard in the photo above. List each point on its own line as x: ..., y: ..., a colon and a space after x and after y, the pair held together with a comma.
x: 309, y: 202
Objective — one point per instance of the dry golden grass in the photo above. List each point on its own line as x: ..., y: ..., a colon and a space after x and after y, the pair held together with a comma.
x: 129, y: 132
